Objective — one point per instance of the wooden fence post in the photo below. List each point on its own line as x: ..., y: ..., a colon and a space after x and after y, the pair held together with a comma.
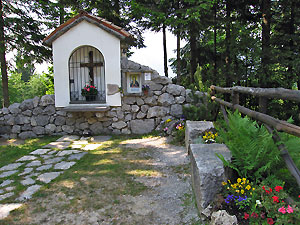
x: 263, y: 103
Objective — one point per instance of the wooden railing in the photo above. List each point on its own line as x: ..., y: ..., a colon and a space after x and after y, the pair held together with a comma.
x: 272, y: 124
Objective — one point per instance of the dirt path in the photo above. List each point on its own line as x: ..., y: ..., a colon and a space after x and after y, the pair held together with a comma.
x: 87, y: 197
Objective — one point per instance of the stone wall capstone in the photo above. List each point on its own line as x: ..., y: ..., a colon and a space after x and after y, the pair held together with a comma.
x: 137, y: 115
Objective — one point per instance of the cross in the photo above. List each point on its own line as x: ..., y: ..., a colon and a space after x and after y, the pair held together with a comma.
x: 90, y: 65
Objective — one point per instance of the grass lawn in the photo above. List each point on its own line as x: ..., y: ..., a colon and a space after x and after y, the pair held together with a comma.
x: 97, y: 181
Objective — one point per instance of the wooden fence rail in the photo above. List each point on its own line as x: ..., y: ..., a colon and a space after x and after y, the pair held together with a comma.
x: 272, y: 124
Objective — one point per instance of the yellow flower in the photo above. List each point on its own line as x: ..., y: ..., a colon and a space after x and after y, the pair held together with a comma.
x: 237, y: 191
x: 168, y: 120
x: 239, y: 180
x: 248, y: 187
x: 242, y: 191
x: 244, y: 179
x: 224, y: 183
x: 229, y: 181
x: 250, y: 193
x: 253, y: 189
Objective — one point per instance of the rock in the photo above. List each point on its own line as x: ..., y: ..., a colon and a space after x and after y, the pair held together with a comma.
x: 125, y: 131
x: 188, y: 94
x: 29, y: 192
x: 161, y: 80
x: 60, y: 120
x: 41, y: 120
x: 10, y: 120
x: 5, y: 110
x: 26, y: 127
x: 166, y: 99
x: 144, y: 108
x: 14, y: 108
x: 139, y: 101
x: 84, y: 126
x: 99, y: 114
x: 37, y: 111
x: 49, y: 110
x: 50, y: 128
x: 26, y: 158
x: 194, y: 129
x: 59, y: 145
x: 11, y: 166
x: 157, y: 111
x: 222, y: 217
x: 27, y: 181
x: 5, y: 129
x: 64, y: 165
x: 20, y: 119
x: 141, y: 115
x: 207, y: 211
x: 77, y: 156
x: 176, y: 110
x: 207, y: 171
x: 135, y: 108
x: 175, y: 89
x: 151, y: 100
x: 8, y: 173
x: 6, y: 195
x: 96, y: 128
x: 6, y: 182
x: 126, y: 107
x: 26, y: 171
x: 142, y: 126
x: 129, y: 100
x: 38, y: 130
x: 128, y: 117
x: 27, y: 113
x: 119, y: 125
x: 40, y: 151
x: 44, y: 167
x: 100, y: 138
x: 154, y: 86
x: 34, y: 163
x: 36, y: 101
x: 61, y: 113
x: 179, y: 99
x: 16, y: 129
x: 26, y: 104
x: 68, y: 129
x: 47, y: 100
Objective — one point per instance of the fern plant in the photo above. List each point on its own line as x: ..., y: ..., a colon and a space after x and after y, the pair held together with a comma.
x: 254, y: 153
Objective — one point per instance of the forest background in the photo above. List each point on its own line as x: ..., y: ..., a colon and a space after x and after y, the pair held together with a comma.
x: 247, y: 43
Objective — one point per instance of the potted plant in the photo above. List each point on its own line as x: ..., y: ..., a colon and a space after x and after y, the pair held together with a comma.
x: 89, y: 92
x: 145, y: 89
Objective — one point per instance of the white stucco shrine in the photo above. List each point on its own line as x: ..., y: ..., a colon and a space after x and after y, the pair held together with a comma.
x: 87, y: 51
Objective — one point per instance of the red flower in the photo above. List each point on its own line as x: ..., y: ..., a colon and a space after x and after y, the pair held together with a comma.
x: 278, y: 188
x: 270, y: 189
x: 262, y: 215
x: 270, y: 221
x: 275, y: 199
x: 299, y: 196
x: 246, y: 216
x: 255, y: 215
x: 267, y: 192
x: 263, y: 187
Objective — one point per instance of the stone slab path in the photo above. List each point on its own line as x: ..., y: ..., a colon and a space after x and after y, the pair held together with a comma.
x: 40, y: 167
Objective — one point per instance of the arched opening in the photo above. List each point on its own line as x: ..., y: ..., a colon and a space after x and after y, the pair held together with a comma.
x: 86, y: 67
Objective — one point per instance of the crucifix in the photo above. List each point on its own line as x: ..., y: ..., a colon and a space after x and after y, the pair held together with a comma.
x: 90, y: 65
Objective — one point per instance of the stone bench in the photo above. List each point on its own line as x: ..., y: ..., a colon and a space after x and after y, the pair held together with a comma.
x: 207, y: 169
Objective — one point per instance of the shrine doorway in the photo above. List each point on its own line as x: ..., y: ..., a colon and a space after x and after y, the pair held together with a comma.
x: 86, y: 67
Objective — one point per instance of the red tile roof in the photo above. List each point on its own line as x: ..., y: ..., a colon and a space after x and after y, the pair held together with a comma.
x: 83, y: 15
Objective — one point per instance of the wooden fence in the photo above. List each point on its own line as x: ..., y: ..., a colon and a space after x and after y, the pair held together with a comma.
x: 272, y: 124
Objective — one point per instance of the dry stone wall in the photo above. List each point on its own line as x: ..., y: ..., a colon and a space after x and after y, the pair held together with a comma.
x: 137, y: 115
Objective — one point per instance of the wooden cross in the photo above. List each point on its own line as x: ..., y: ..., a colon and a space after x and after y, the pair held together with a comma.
x: 90, y: 65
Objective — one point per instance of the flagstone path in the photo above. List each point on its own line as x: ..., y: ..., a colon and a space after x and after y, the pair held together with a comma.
x: 41, y: 166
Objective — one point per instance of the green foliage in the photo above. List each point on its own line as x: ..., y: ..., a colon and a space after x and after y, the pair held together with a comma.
x: 201, y: 108
x: 253, y: 150
x: 37, y: 85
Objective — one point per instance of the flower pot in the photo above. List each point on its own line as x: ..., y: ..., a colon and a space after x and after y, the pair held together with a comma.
x: 90, y: 98
x: 146, y: 92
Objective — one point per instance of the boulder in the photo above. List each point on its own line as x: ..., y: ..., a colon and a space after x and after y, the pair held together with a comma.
x: 175, y: 89
x: 141, y: 115
x: 176, y: 110
x: 119, y: 125
x: 14, y: 108
x: 222, y: 217
x: 207, y: 171
x: 20, y: 119
x: 126, y: 107
x: 38, y: 130
x: 49, y: 110
x: 27, y: 134
x: 154, y: 86
x: 142, y: 126
x: 16, y: 129
x: 157, y: 111
x: 5, y: 129
x: 67, y: 129
x: 144, y: 108
x: 135, y: 108
x: 5, y: 111
x: 41, y: 120
x: 129, y: 100
x: 179, y: 99
x: 96, y: 128
x: 140, y: 101
x: 151, y: 101
x: 47, y: 100
x: 27, y: 112
x: 27, y: 104
x: 37, y: 111
x: 166, y: 99
x: 60, y: 120
x: 161, y: 79
x: 36, y: 101
x: 50, y: 128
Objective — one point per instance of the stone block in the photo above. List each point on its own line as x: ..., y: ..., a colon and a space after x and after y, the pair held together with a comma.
x: 14, y: 108
x: 41, y: 120
x: 142, y: 126
x: 119, y: 125
x: 222, y: 217
x: 157, y: 111
x: 96, y: 128
x: 16, y: 129
x: 49, y: 110
x: 194, y: 129
x: 50, y: 128
x: 26, y: 104
x: 38, y: 130
x: 166, y: 99
x: 27, y: 134
x: 176, y: 110
x: 135, y: 108
x: 47, y: 100
x: 129, y: 100
x: 208, y: 171
x: 60, y: 120
x: 174, y: 89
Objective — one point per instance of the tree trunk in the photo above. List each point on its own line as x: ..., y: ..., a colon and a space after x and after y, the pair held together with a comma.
x: 228, y: 80
x: 215, y: 43
x: 265, y: 59
x: 61, y: 12
x: 3, y: 60
x: 165, y: 51
x: 178, y: 59
x: 193, y: 47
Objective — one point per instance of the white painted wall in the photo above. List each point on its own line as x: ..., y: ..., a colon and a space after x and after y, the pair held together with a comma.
x: 85, y: 33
